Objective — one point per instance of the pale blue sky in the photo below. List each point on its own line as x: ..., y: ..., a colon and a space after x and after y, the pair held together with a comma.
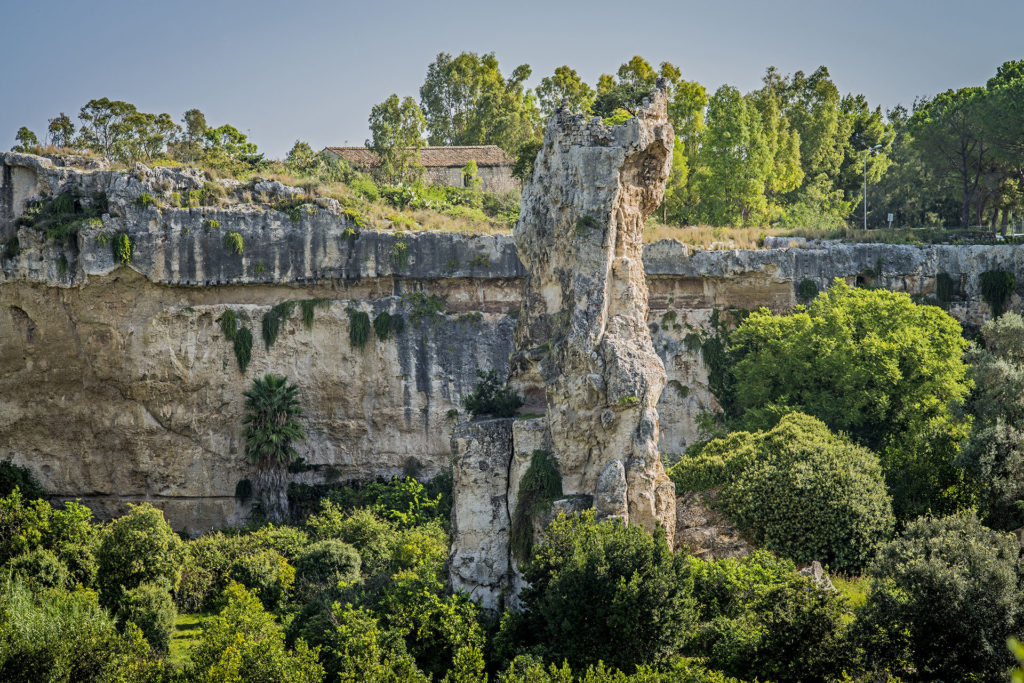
x: 312, y: 70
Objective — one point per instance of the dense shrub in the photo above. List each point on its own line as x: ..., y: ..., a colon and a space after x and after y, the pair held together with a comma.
x: 491, y: 397
x: 995, y: 452
x: 371, y: 536
x: 245, y: 643
x: 797, y: 489
x: 138, y: 548
x: 324, y: 564
x: 405, y: 502
x: 356, y: 649
x: 61, y: 636
x: 946, y: 595
x: 760, y: 620
x: 66, y: 531
x: 150, y: 607
x: 602, y: 592
x: 872, y: 364
x: 15, y: 476
x: 531, y: 669
x: 268, y: 573
x: 39, y: 568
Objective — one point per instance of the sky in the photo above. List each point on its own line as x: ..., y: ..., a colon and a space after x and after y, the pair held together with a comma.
x: 282, y: 71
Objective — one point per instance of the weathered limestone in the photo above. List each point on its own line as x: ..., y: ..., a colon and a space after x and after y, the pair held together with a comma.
x: 584, y: 353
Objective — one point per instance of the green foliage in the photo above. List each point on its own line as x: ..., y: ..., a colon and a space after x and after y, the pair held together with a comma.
x: 308, y: 308
x: 358, y: 328
x: 400, y: 252
x: 994, y: 454
x: 294, y: 207
x: 492, y: 397
x: 39, y: 568
x: 324, y: 564
x: 64, y: 636
x: 602, y: 592
x: 245, y: 643
x: 272, y: 409
x: 121, y: 248
x: 758, y: 618
x: 211, y: 224
x: 234, y: 243
x: 229, y: 324
x: 540, y: 486
x: 382, y: 325
x: 405, y: 502
x: 273, y: 319
x: 870, y: 363
x: 146, y: 200
x: 138, y: 548
x: 17, y: 477
x: 422, y: 305
x: 243, y: 348
x: 807, y: 290
x: 798, y: 490
x: 150, y: 607
x: 67, y: 532
x: 996, y: 288
x: 945, y: 597
x: 397, y: 127
x: 267, y: 573
x: 526, y: 158
x: 26, y: 140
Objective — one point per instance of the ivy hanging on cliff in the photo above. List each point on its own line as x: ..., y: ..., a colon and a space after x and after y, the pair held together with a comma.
x: 996, y: 288
x: 308, y: 308
x: 540, y: 486
x: 359, y: 328
x: 272, y: 320
x: 243, y: 348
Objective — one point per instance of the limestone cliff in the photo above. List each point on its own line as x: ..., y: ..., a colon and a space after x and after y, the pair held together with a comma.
x: 584, y: 354
x: 117, y: 385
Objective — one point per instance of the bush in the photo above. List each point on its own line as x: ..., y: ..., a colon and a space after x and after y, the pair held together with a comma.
x: 760, y: 620
x: 66, y: 532
x: 872, y: 364
x: 354, y: 649
x: 245, y: 643
x: 491, y: 397
x: 39, y: 568
x: 266, y: 572
x: 325, y: 564
x: 371, y: 536
x: 800, y: 491
x: 17, y: 477
x: 150, y: 607
x: 945, y: 597
x: 995, y: 452
x: 996, y: 288
x: 138, y: 548
x: 58, y: 635
x: 602, y: 592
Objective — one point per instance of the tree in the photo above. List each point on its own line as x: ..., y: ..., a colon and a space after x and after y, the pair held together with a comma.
x: 302, y: 159
x: 397, y: 129
x: 271, y: 422
x: 735, y: 162
x: 228, y: 150
x: 872, y: 364
x: 798, y: 490
x: 564, y: 86
x: 467, y: 101
x: 26, y: 140
x: 61, y: 130
x: 945, y: 597
x: 193, y: 133
x: 636, y: 80
x: 686, y: 111
x: 949, y: 134
x: 602, y: 592
x: 99, y: 130
x: 138, y: 548
x: 995, y: 451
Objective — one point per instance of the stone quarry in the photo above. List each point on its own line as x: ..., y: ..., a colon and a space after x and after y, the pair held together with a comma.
x: 117, y: 384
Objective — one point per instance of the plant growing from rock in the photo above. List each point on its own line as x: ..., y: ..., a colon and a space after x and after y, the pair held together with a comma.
x: 382, y: 325
x: 358, y: 328
x: 492, y: 397
x: 996, y: 288
x: 308, y: 308
x: 272, y: 320
x: 271, y: 422
x: 229, y: 324
x: 121, y: 246
x: 234, y: 243
x: 540, y: 486
x: 243, y: 348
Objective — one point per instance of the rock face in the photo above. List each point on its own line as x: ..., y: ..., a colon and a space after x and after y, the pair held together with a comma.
x: 704, y: 531
x: 117, y: 384
x: 584, y: 354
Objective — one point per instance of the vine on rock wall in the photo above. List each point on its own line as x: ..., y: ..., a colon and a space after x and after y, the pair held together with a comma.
x: 540, y: 486
x: 996, y: 288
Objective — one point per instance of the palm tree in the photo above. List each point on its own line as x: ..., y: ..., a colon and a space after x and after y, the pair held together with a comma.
x: 271, y: 412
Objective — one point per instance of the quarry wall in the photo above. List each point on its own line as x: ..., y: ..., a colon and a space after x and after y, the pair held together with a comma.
x: 117, y: 384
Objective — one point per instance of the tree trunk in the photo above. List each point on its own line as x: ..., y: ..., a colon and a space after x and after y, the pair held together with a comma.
x: 271, y: 489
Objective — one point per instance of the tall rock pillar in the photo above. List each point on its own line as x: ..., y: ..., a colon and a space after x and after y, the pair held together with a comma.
x: 584, y: 359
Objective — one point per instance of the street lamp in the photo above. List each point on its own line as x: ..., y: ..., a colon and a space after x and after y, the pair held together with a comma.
x: 866, y: 150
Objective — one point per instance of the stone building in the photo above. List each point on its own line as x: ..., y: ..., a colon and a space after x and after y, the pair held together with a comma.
x: 443, y: 165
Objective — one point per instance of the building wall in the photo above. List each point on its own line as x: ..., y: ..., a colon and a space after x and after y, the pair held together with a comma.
x: 492, y: 178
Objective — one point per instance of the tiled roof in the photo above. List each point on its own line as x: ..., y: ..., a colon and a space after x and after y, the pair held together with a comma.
x: 484, y: 155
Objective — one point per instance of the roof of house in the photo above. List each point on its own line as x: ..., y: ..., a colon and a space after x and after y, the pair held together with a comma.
x: 484, y: 155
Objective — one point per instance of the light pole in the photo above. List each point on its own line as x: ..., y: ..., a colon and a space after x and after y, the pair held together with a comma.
x: 866, y: 150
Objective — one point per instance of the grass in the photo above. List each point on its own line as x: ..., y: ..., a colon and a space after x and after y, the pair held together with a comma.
x: 854, y: 588
x: 188, y: 630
